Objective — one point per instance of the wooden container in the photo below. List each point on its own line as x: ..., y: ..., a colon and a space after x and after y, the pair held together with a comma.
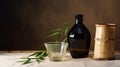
x: 104, y: 41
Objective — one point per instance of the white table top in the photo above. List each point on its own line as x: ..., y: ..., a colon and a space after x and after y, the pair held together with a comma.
x: 9, y: 60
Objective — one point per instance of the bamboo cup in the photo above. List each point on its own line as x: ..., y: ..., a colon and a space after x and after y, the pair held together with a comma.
x: 104, y: 42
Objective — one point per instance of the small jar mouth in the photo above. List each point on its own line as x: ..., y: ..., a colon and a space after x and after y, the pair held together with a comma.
x: 55, y: 42
x: 105, y: 24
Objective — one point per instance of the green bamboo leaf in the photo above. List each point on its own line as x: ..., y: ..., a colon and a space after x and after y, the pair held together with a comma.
x: 66, y: 28
x: 41, y: 54
x: 56, y: 30
x: 27, y: 61
x: 45, y: 54
x: 33, y: 54
x: 38, y: 54
x: 59, y: 35
x: 42, y: 58
x: 54, y: 34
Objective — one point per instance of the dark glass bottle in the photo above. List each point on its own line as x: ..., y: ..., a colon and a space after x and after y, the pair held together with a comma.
x: 79, y: 38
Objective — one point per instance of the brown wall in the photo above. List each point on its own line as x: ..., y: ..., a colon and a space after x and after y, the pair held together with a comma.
x: 25, y: 23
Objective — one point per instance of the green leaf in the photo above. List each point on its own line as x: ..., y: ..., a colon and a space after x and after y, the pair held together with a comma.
x: 41, y: 54
x: 59, y: 35
x: 27, y: 61
x: 66, y: 28
x: 33, y: 54
x: 45, y: 54
x: 56, y: 30
x: 42, y: 58
x: 54, y: 34
x: 38, y: 54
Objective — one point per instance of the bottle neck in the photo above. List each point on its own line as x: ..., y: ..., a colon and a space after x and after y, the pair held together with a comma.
x: 78, y: 21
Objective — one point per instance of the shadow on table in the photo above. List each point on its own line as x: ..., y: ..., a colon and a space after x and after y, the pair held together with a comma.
x: 117, y: 56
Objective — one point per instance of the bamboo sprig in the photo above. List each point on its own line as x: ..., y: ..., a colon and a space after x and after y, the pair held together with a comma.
x: 40, y: 56
x: 37, y: 56
x: 60, y: 32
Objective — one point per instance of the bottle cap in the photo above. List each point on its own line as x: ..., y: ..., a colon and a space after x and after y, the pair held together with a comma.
x: 79, y: 16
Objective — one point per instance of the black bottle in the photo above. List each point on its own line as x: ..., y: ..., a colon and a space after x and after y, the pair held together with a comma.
x: 79, y: 38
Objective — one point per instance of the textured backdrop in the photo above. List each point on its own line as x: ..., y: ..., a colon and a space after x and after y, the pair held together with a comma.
x: 25, y: 23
